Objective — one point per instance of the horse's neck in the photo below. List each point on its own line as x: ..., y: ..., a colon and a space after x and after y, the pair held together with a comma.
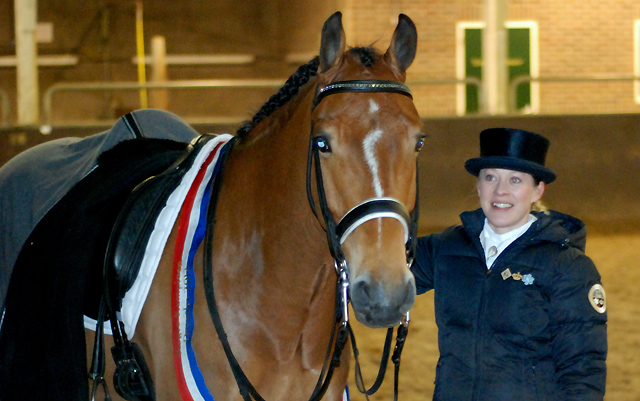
x: 272, y: 257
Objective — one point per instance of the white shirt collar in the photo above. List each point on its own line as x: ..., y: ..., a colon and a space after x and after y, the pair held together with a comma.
x: 494, y: 244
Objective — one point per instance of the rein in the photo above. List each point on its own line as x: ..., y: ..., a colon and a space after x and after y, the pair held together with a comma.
x: 336, y: 235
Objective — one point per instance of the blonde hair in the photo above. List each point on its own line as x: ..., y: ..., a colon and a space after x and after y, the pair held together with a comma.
x: 538, y: 206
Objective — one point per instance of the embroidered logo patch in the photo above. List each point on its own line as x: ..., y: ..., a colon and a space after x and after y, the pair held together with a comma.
x: 598, y: 298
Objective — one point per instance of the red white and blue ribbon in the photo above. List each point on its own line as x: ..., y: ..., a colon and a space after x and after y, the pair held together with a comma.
x: 191, y: 232
x: 136, y: 296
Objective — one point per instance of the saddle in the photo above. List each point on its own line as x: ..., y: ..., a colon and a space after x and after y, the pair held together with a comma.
x: 134, y: 225
x: 123, y: 257
x: 61, y: 266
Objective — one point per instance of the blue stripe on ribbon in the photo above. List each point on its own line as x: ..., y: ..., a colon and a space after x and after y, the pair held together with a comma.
x: 191, y: 280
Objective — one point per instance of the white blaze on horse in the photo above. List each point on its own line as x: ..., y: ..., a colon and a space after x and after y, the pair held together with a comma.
x: 314, y: 198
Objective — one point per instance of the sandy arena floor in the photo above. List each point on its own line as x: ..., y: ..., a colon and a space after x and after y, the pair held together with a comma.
x: 618, y: 260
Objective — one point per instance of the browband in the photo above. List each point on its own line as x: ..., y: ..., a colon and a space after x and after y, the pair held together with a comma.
x: 363, y: 85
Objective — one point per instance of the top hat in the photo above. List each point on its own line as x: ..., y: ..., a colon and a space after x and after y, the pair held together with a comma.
x: 512, y: 149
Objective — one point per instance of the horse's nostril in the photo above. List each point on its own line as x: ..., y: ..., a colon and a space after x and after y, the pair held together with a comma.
x: 365, y: 293
x: 410, y: 294
x: 363, y: 288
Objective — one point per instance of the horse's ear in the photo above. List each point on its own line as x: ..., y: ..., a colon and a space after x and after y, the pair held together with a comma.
x: 404, y: 43
x: 332, y: 42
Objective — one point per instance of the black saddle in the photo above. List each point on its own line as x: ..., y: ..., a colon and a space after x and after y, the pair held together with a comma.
x: 135, y: 222
x: 123, y: 258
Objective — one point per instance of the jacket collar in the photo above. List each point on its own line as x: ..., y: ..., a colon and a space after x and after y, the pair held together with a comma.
x: 551, y: 226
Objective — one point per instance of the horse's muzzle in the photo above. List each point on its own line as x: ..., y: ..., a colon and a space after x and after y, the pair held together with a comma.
x: 377, y: 305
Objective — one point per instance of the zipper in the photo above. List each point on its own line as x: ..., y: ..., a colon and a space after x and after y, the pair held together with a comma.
x: 535, y: 381
x: 479, y: 336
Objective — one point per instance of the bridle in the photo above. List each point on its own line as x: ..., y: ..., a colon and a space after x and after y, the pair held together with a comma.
x: 336, y: 235
x: 369, y: 209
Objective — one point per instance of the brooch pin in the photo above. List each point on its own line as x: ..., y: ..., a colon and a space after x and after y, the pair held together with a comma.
x: 528, y: 279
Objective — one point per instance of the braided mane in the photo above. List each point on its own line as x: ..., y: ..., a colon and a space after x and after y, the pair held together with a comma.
x: 297, y: 80
x: 289, y: 90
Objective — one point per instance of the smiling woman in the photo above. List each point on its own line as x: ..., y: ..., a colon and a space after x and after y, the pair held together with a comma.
x: 517, y: 302
x: 506, y: 197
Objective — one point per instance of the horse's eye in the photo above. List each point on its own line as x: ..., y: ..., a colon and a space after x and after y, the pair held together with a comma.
x: 322, y: 144
x: 419, y: 144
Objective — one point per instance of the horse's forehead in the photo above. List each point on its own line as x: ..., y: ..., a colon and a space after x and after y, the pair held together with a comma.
x: 358, y: 113
x: 367, y: 111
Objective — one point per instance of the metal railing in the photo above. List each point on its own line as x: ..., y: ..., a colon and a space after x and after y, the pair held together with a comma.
x: 272, y: 83
x: 521, y: 79
x: 6, y: 108
x: 448, y: 81
x: 47, y: 101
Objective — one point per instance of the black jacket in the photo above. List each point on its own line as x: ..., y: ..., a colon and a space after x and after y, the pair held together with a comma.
x: 535, y: 335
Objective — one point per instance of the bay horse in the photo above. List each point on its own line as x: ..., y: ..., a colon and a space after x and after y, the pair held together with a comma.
x: 274, y: 276
x: 315, y: 206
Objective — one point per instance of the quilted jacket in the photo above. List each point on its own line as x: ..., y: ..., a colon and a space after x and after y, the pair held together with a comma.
x: 531, y: 328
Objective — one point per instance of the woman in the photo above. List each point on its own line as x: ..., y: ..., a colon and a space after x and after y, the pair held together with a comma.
x: 520, y: 309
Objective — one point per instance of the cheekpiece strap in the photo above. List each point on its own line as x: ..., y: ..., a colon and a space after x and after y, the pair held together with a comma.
x: 364, y: 85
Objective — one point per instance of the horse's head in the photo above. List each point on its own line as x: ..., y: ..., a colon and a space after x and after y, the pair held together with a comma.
x: 366, y: 135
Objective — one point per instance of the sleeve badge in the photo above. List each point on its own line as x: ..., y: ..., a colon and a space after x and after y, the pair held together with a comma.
x: 598, y: 298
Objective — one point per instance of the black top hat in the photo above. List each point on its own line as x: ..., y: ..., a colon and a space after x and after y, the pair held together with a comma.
x: 512, y: 149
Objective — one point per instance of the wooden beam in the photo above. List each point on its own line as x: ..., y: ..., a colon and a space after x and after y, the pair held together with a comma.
x: 494, y: 58
x: 26, y: 61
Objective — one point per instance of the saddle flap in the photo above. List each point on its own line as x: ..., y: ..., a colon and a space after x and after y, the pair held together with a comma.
x: 133, y: 228
x: 136, y: 222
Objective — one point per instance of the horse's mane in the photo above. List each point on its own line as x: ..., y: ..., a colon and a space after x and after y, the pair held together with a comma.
x: 289, y: 90
x: 297, y: 80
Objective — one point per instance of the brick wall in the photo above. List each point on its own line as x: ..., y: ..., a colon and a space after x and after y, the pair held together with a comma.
x: 577, y: 38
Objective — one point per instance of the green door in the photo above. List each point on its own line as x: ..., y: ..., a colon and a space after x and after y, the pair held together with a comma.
x: 519, y: 63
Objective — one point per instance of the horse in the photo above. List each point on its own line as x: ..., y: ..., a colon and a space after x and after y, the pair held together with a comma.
x: 314, y: 206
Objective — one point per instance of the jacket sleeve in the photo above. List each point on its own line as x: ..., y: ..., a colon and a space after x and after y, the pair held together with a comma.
x: 579, y: 322
x: 423, y: 265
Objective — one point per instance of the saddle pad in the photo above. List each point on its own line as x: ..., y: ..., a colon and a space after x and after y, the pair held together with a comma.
x: 136, y: 296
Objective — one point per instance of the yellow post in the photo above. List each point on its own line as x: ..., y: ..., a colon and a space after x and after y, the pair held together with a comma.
x: 142, y: 78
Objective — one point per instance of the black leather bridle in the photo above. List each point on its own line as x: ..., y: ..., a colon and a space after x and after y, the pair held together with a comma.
x: 336, y: 235
x: 371, y: 208
x: 367, y: 210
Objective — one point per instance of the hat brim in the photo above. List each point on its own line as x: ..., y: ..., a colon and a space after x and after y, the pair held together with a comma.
x: 542, y: 173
